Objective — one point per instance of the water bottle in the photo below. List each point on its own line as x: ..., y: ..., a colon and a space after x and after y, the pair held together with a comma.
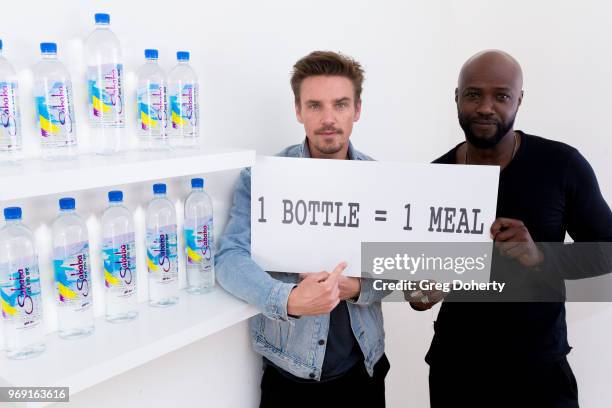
x: 10, y: 125
x: 162, y: 260
x: 54, y: 105
x: 72, y: 269
x: 119, y: 260
x: 183, y: 94
x: 105, y: 77
x: 152, y: 103
x: 20, y: 289
x: 199, y: 243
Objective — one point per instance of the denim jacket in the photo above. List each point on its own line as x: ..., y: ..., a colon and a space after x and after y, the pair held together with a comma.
x: 290, y: 343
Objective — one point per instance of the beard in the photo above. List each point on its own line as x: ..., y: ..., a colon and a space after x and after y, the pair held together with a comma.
x: 501, y: 129
x: 327, y: 148
x: 332, y: 148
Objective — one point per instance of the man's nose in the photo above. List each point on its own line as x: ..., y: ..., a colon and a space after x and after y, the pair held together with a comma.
x: 328, y: 117
x: 485, y: 107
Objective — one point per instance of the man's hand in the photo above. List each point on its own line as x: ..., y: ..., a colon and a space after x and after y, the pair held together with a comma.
x: 424, y: 299
x: 513, y: 240
x: 350, y: 287
x: 318, y: 293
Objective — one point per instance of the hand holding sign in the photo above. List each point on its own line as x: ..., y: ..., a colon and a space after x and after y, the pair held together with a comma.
x: 318, y: 293
x: 350, y: 287
x: 513, y: 240
x: 424, y: 299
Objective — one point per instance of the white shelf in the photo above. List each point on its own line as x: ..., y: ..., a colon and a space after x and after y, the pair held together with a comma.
x: 37, y: 177
x: 116, y: 348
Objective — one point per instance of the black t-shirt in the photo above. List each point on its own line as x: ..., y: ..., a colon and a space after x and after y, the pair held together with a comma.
x: 342, y: 351
x: 551, y: 188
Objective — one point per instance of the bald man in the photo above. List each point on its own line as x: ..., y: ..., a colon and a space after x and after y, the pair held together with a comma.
x: 514, y: 353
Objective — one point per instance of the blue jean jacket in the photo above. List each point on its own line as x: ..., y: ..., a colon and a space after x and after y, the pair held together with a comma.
x: 291, y: 344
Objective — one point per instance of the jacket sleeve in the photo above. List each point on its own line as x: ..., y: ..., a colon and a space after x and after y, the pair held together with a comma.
x: 368, y: 294
x: 236, y: 271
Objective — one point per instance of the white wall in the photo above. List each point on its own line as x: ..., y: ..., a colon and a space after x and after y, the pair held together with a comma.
x: 412, y: 52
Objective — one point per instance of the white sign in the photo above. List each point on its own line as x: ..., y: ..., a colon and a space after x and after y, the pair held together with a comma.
x: 308, y: 215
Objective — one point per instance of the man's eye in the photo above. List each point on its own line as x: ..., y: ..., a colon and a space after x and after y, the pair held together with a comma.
x: 472, y: 94
x: 503, y: 97
x: 341, y: 105
x: 314, y: 106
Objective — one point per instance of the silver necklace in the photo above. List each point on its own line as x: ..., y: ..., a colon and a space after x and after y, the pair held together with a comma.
x: 513, y: 149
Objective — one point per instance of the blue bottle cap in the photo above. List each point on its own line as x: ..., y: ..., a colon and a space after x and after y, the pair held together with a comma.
x: 159, y: 188
x: 182, y: 55
x: 102, y: 18
x: 12, y: 213
x: 115, y: 196
x: 197, y: 183
x: 48, y: 48
x: 151, y: 54
x: 67, y: 203
x: 0, y: 45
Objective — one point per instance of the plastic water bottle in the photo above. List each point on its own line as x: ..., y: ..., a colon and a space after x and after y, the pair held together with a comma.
x: 152, y: 103
x: 54, y: 105
x: 20, y: 289
x: 10, y: 125
x: 105, y: 77
x: 72, y: 269
x: 183, y: 94
x: 119, y: 255
x: 199, y: 243
x: 162, y: 259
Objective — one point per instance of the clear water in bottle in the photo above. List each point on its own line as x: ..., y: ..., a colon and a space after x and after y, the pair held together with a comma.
x: 105, y: 84
x: 199, y: 244
x: 162, y: 249
x: 152, y: 104
x: 183, y: 96
x: 72, y: 270
x: 20, y: 290
x: 119, y: 260
x: 54, y: 105
x: 10, y: 122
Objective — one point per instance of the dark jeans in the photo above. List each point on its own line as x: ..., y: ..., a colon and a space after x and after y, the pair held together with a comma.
x: 353, y: 389
x: 537, y: 385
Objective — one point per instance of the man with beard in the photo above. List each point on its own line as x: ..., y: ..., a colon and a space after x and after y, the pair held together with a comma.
x: 321, y: 338
x: 514, y: 354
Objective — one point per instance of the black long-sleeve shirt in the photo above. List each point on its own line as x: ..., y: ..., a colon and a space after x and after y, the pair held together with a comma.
x: 551, y: 188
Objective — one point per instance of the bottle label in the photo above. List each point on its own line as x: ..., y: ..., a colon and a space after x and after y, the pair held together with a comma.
x: 199, y: 242
x: 20, y: 293
x: 9, y: 115
x: 105, y: 87
x: 54, y: 111
x: 72, y: 276
x: 162, y: 259
x: 185, y: 109
x: 119, y: 254
x: 152, y: 108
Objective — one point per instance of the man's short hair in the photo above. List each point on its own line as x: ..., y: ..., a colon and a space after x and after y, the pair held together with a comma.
x: 326, y: 63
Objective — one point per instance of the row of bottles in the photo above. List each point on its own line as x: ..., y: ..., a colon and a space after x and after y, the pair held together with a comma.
x: 20, y: 288
x: 167, y: 108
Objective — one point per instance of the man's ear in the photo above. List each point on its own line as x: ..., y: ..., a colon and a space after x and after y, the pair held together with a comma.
x: 298, y: 112
x: 456, y: 95
x: 357, y: 110
x: 520, y: 100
